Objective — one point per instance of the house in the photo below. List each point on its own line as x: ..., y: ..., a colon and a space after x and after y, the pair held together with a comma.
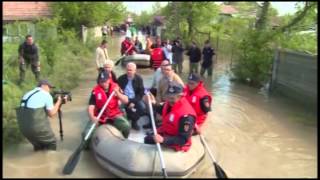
x: 26, y: 13
x: 228, y: 10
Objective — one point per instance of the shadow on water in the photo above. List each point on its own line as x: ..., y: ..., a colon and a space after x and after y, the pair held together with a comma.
x: 251, y: 133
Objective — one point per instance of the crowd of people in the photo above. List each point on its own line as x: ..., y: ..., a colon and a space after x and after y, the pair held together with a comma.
x: 180, y: 109
x: 160, y: 50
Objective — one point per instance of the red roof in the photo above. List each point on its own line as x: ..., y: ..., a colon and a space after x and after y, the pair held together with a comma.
x: 25, y: 10
x: 227, y: 9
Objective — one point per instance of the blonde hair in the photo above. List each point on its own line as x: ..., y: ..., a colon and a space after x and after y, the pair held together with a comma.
x: 109, y: 62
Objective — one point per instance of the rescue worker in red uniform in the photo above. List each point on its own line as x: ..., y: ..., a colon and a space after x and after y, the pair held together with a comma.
x: 127, y: 45
x: 112, y: 113
x: 157, y: 54
x: 178, y: 118
x: 199, y: 98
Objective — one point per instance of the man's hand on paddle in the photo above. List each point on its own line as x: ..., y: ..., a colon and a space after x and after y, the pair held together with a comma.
x: 158, y: 138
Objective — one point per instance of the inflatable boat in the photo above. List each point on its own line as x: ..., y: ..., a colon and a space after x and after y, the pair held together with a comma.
x: 131, y: 158
x: 141, y: 60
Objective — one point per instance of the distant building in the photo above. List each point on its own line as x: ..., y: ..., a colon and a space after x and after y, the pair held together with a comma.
x: 228, y: 10
x: 25, y: 11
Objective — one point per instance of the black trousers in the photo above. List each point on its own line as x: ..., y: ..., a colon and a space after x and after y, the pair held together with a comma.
x: 25, y: 66
x: 135, y: 113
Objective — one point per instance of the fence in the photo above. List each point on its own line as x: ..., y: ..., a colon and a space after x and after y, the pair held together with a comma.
x: 16, y: 32
x: 294, y: 75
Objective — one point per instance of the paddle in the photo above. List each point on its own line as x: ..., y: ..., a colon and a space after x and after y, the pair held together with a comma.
x: 120, y: 58
x: 164, y: 172
x: 74, y: 158
x: 219, y: 171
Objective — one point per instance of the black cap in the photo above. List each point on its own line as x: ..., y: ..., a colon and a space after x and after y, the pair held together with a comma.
x: 45, y: 82
x: 174, y: 89
x: 194, y: 77
x: 103, y: 76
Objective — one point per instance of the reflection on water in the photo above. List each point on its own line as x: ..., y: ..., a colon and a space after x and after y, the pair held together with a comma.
x: 251, y: 134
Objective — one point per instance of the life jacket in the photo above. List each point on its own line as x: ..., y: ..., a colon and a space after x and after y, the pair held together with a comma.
x: 157, y: 56
x: 194, y: 99
x: 128, y: 45
x: 112, y: 110
x: 170, y: 123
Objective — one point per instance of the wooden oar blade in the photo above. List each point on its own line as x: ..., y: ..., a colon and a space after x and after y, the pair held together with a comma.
x: 73, y: 160
x: 219, y: 171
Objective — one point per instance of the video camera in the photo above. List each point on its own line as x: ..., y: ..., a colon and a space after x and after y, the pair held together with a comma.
x: 62, y: 94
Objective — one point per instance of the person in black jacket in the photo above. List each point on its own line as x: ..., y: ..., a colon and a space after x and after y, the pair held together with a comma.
x: 132, y: 85
x: 207, y: 63
x: 29, y: 54
x: 138, y: 45
x: 177, y: 55
x: 194, y: 54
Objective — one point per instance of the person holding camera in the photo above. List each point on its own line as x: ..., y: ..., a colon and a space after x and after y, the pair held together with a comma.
x: 29, y: 54
x: 112, y: 114
x: 32, y: 115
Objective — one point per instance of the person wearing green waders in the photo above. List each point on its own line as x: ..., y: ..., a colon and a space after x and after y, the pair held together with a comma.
x: 32, y: 115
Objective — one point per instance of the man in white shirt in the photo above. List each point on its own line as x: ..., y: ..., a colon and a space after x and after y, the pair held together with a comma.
x: 167, y: 49
x: 101, y: 55
x: 157, y: 76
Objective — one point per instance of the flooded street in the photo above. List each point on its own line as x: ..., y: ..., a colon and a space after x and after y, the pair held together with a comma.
x: 251, y: 134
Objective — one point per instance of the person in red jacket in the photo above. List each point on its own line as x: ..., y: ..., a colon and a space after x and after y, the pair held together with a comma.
x: 112, y: 114
x: 157, y: 54
x: 178, y: 118
x: 127, y: 47
x: 199, y: 98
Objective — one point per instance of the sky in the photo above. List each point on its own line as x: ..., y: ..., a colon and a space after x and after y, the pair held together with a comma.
x: 282, y: 7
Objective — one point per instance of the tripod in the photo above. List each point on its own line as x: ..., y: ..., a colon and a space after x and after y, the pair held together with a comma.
x: 60, y: 122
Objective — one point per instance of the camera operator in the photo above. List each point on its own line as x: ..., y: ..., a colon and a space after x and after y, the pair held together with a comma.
x: 32, y: 115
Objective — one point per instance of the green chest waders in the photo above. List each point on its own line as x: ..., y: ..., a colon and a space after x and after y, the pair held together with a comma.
x: 35, y: 126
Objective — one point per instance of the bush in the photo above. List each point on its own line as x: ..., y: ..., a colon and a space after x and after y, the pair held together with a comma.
x: 254, y: 59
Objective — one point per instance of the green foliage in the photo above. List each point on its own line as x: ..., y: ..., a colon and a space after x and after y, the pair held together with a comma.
x: 11, y: 97
x: 74, y: 14
x: 303, y: 42
x: 255, y: 58
x: 143, y: 19
x: 186, y: 19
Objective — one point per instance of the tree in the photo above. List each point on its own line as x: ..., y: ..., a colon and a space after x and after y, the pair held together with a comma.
x: 143, y: 19
x: 190, y: 16
x: 256, y: 47
x: 74, y: 14
x: 262, y: 21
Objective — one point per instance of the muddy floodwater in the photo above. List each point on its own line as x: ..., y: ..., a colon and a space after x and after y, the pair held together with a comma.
x: 250, y: 133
